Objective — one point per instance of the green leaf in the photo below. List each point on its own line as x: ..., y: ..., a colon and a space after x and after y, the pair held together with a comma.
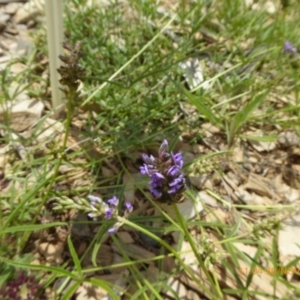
x: 74, y: 256
x: 60, y: 271
x: 71, y: 290
x: 244, y: 114
x: 202, y: 108
x: 6, y: 272
x: 100, y: 236
x: 104, y: 285
x: 25, y: 228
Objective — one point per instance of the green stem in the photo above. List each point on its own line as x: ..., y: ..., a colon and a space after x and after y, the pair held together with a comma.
x: 70, y: 95
x: 214, y: 283
x: 175, y: 254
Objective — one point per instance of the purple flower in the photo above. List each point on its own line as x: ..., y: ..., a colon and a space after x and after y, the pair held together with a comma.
x: 177, y: 159
x: 150, y: 160
x: 163, y: 149
x: 93, y: 216
x: 155, y: 192
x: 177, y: 180
x: 128, y: 207
x: 114, y: 201
x: 94, y: 200
x: 165, y: 172
x: 156, y: 180
x: 173, y: 171
x: 112, y: 230
x: 289, y: 48
x: 177, y: 184
x: 173, y: 190
x: 144, y: 170
x: 109, y: 212
x: 119, y: 223
x: 148, y: 165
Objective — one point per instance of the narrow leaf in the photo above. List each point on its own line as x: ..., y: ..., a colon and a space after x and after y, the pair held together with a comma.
x: 74, y: 256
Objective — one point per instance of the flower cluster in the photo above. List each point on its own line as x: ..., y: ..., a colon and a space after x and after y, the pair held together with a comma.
x: 108, y: 209
x: 21, y: 288
x: 209, y: 253
x: 96, y: 208
x: 167, y: 181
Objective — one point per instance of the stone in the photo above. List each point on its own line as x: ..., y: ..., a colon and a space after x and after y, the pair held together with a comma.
x: 4, y: 17
x: 24, y: 15
x: 11, y: 30
x: 11, y: 8
x: 3, y: 20
x: 288, y: 139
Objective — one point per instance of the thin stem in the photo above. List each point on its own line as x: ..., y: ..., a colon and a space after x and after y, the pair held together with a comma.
x: 213, y: 282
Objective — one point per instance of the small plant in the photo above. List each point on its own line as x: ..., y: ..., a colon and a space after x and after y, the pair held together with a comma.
x: 204, y: 165
x: 209, y: 252
x: 23, y: 287
x: 270, y: 225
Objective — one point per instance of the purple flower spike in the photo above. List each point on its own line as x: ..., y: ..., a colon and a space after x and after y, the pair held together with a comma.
x: 114, y: 201
x: 289, y: 48
x: 108, y: 213
x: 165, y: 173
